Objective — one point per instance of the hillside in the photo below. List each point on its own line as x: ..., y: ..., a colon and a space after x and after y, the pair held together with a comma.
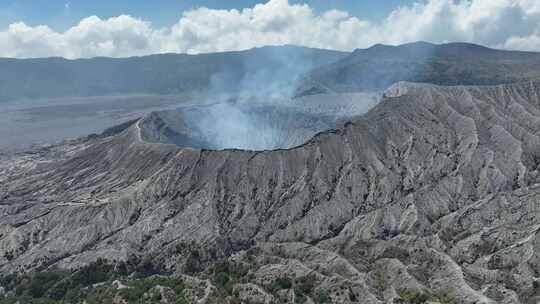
x: 380, y: 66
x: 432, y: 194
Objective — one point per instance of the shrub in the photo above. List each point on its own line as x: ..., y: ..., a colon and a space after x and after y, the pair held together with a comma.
x: 181, y: 300
x: 226, y: 274
x: 58, y: 286
x: 305, y: 285
x: 413, y: 297
x: 60, y: 289
x: 281, y: 283
x: 222, y: 279
x: 139, y: 287
x: 96, y: 272
x: 9, y: 255
x: 193, y: 262
x: 177, y: 285
x: 321, y: 297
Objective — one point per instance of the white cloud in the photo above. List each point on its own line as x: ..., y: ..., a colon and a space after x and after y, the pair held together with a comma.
x: 511, y: 24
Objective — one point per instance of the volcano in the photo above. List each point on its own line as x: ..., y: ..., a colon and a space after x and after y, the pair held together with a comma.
x: 433, y: 193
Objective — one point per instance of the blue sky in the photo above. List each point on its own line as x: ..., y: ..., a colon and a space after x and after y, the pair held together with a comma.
x: 122, y: 28
x: 62, y: 14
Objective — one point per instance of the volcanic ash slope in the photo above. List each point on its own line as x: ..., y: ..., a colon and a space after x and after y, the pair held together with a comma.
x: 436, y: 188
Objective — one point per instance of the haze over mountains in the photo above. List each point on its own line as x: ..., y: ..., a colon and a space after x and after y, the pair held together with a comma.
x: 156, y: 74
x: 45, y: 100
x: 432, y: 194
x: 374, y: 68
x: 265, y: 76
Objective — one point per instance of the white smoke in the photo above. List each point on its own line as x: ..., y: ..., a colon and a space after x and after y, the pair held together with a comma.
x: 254, y: 113
x: 259, y: 112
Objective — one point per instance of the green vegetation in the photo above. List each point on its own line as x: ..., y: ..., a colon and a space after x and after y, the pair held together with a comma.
x: 226, y: 274
x: 321, y: 297
x: 137, y: 291
x: 138, y: 288
x: 193, y: 262
x: 281, y: 283
x: 137, y: 283
x: 92, y: 284
x: 54, y: 284
x: 414, y: 297
x: 302, y: 286
x: 420, y: 297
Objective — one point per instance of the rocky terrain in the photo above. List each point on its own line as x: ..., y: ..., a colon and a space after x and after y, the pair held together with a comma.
x: 432, y: 195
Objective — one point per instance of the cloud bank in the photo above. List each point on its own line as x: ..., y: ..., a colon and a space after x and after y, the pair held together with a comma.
x: 510, y: 24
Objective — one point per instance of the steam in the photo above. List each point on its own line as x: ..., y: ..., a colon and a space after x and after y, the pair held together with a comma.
x: 267, y: 74
x: 251, y: 127
x: 258, y: 112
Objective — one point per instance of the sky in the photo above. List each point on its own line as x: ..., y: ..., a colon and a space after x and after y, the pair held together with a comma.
x: 62, y: 14
x: 121, y: 28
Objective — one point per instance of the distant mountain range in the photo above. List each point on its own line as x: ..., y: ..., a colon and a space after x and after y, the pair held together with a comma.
x: 374, y: 68
x: 155, y: 74
x: 379, y: 66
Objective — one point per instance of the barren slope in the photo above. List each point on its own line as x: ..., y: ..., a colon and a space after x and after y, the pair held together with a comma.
x: 436, y: 188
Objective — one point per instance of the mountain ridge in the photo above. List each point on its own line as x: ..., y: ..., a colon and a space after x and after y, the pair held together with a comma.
x: 380, y: 66
x: 333, y: 71
x: 159, y: 73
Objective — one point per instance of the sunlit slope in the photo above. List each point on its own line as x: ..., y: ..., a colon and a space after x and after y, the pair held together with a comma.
x: 436, y: 189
